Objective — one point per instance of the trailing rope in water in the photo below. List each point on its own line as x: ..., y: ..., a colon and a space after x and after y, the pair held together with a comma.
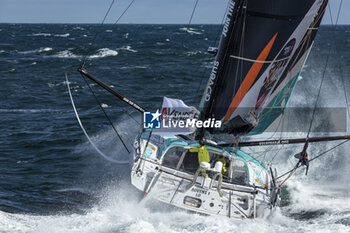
x: 84, y: 131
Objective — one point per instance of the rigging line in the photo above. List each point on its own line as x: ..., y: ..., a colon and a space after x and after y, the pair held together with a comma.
x: 84, y: 60
x: 98, y: 31
x: 339, y: 57
x: 319, y: 155
x: 239, y: 80
x: 105, y: 113
x: 146, y: 146
x: 215, y: 43
x: 244, y: 11
x: 194, y: 9
x: 280, y: 123
x: 129, y: 114
x: 258, y: 61
x: 322, y: 80
x: 189, y: 22
x: 126, y: 9
x: 84, y: 131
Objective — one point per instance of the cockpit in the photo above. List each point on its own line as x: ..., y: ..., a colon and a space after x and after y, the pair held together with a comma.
x: 234, y: 169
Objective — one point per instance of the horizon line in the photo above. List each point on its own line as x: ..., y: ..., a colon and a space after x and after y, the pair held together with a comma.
x: 109, y: 24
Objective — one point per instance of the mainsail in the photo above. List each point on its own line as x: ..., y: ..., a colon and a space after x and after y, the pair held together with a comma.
x: 263, y: 47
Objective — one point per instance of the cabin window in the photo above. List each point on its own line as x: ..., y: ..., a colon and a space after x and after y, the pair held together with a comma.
x: 190, y: 162
x: 239, y: 171
x: 173, y: 156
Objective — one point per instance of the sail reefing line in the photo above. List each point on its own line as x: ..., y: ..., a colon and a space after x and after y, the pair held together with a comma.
x: 86, y: 134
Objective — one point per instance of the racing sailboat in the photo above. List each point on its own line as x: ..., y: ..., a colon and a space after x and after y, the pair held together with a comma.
x: 263, y: 47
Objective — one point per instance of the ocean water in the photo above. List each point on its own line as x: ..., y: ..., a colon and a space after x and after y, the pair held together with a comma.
x: 52, y: 180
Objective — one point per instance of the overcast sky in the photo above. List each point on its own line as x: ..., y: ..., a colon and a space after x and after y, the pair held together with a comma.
x: 142, y: 11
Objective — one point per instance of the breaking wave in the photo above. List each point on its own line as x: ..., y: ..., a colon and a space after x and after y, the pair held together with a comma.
x: 127, y: 48
x: 66, y: 54
x: 40, y: 34
x: 62, y: 35
x: 105, y: 52
x: 101, y: 53
x: 191, y: 31
x: 40, y: 50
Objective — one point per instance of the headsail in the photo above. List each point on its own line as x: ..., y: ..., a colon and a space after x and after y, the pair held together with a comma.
x: 263, y: 47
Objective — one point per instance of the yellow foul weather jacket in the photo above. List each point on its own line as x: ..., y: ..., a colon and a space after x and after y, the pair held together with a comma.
x: 203, y: 154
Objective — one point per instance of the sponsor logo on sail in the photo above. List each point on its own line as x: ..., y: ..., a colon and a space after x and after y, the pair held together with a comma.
x: 228, y: 18
x: 211, y: 80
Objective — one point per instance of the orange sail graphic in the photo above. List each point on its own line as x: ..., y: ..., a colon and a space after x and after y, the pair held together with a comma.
x: 249, y: 79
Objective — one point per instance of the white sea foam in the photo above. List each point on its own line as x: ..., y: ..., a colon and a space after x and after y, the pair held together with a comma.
x: 2, y: 51
x: 104, y: 105
x: 109, y: 30
x: 40, y: 50
x: 66, y: 54
x: 105, y: 52
x: 127, y: 48
x: 120, y: 211
x: 79, y: 28
x: 62, y: 35
x: 193, y: 53
x: 126, y: 35
x: 41, y: 34
x: 133, y: 67
x: 190, y: 31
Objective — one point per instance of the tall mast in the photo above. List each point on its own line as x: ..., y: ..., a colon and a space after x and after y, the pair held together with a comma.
x: 225, y: 43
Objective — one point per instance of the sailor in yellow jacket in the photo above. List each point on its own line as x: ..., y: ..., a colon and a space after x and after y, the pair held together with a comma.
x: 203, y: 154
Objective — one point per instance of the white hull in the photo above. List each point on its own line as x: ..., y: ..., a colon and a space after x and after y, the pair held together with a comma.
x: 176, y: 188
